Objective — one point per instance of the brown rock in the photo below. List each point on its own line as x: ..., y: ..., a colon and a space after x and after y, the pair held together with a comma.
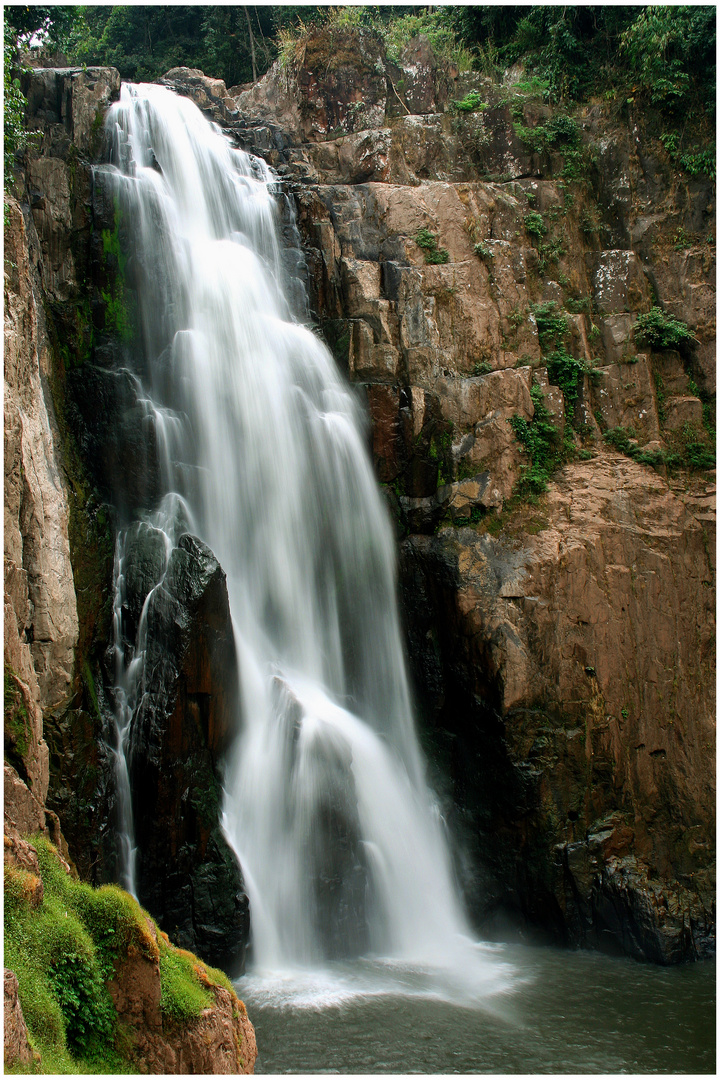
x: 625, y: 397
x: 40, y: 638
x: 683, y: 410
x: 210, y: 95
x: 594, y: 639
x: 18, y: 1051
x: 220, y: 1040
x: 618, y: 282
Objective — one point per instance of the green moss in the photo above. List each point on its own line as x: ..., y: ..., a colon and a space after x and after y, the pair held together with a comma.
x: 17, y: 724
x: 66, y: 949
x: 119, y: 312
x: 470, y: 103
x: 182, y: 995
x: 64, y: 999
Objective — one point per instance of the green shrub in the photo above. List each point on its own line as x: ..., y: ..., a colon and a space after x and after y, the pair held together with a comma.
x: 566, y: 372
x: 552, y: 325
x: 428, y: 242
x: 535, y: 225
x: 696, y: 452
x: 541, y: 442
x: 699, y: 162
x: 483, y: 251
x: 691, y: 450
x: 661, y: 331
x: 583, y: 306
x: 469, y: 103
x: 620, y: 437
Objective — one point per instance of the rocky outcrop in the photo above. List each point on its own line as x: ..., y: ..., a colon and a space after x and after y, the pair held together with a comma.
x: 459, y: 264
x: 563, y: 651
x: 41, y: 625
x: 17, y: 1046
x: 40, y: 611
x: 151, y: 982
x: 187, y: 875
x: 58, y: 545
x: 221, y: 1040
x: 581, y: 662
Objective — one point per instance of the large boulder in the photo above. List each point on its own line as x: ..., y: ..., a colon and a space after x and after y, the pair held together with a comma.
x: 187, y: 875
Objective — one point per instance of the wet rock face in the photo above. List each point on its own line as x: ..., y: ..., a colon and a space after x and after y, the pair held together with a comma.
x: 187, y: 876
x: 546, y: 664
x: 563, y: 657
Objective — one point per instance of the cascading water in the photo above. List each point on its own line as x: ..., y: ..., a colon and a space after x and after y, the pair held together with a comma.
x: 264, y: 457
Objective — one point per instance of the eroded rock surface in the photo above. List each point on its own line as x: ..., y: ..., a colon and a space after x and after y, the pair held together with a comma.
x: 563, y: 654
x: 17, y: 1050
x: 221, y: 1040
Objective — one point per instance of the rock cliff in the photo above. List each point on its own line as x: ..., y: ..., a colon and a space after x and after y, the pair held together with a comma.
x: 61, y: 311
x: 489, y: 277
x: 476, y: 267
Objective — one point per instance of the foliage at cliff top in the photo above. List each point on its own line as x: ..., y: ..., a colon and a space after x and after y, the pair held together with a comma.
x: 661, y: 55
x: 64, y: 951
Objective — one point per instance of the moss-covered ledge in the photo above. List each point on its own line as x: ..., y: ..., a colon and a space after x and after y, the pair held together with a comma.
x: 100, y: 989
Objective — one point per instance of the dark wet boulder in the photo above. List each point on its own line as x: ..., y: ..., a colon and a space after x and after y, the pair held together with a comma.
x: 187, y: 876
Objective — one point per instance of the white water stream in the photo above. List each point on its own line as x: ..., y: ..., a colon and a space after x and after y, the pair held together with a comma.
x: 263, y: 450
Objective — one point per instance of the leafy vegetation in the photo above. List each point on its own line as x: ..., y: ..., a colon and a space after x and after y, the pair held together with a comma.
x: 63, y: 951
x: 661, y: 331
x: 552, y: 325
x: 665, y: 55
x: 566, y: 372
x: 15, y: 134
x: 690, y: 450
x: 470, y: 103
x: 535, y: 225
x: 541, y: 441
x: 428, y: 242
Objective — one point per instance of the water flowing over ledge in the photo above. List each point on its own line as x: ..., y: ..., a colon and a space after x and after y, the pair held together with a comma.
x: 262, y: 452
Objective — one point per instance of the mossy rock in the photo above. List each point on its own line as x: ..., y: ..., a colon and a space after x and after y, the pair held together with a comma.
x: 65, y: 941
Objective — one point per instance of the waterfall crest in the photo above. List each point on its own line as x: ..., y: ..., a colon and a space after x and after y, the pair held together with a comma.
x: 262, y: 448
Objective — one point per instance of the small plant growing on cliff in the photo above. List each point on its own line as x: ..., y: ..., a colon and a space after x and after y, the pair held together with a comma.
x: 660, y: 331
x: 535, y: 225
x: 566, y: 372
x: 428, y: 242
x: 539, y: 438
x: 551, y: 324
x: 483, y: 251
x: 470, y: 103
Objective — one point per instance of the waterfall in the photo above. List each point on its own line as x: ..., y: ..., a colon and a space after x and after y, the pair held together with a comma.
x: 262, y: 448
